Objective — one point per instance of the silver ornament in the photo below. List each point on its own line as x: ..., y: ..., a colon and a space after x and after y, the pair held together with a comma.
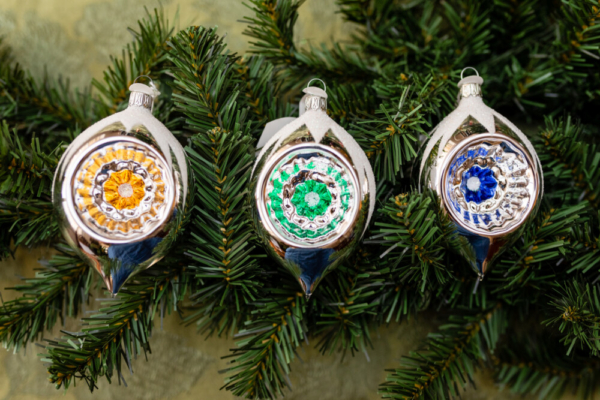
x: 485, y: 172
x: 314, y: 191
x: 120, y: 190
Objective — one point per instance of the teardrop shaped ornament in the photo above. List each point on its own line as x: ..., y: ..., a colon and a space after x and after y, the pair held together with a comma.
x: 120, y: 191
x: 486, y: 174
x: 313, y: 190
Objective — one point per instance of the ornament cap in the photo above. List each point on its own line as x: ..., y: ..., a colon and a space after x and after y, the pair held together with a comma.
x: 143, y: 95
x: 471, y: 85
x: 315, y: 91
x: 314, y: 99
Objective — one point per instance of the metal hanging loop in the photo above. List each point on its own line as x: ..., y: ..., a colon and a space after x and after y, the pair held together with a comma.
x: 152, y: 85
x: 466, y: 68
x: 317, y: 79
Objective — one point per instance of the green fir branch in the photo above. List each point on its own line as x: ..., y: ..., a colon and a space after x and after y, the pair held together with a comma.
x: 28, y: 222
x: 205, y: 74
x: 531, y: 363
x: 418, y: 239
x: 49, y: 107
x: 26, y: 173
x: 577, y: 308
x: 119, y: 332
x: 518, y: 23
x: 382, y: 26
x: 531, y: 265
x: 584, y: 246
x: 272, y: 28
x: 449, y: 358
x: 570, y: 163
x: 349, y: 103
x: 260, y: 364
x: 580, y: 44
x: 25, y: 170
x: 391, y: 138
x: 145, y: 55
x: 224, y: 261
x: 57, y: 291
x: 261, y: 92
x: 221, y: 155
x: 346, y: 309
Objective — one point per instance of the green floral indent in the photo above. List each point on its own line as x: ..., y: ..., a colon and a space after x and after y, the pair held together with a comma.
x: 311, y: 199
x: 282, y: 175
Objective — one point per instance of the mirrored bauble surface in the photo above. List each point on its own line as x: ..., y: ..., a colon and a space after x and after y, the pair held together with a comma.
x: 489, y: 184
x: 313, y: 194
x: 485, y: 173
x: 310, y: 196
x: 120, y: 192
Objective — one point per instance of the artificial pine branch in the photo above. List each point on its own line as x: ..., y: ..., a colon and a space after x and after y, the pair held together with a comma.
x: 534, y: 261
x: 272, y: 27
x: 26, y: 212
x: 577, y: 310
x: 119, y: 332
x: 531, y: 363
x: 224, y: 262
x: 418, y: 240
x: 391, y: 139
x: 450, y: 356
x: 570, y: 163
x: 146, y: 55
x: 260, y: 363
x: 57, y: 291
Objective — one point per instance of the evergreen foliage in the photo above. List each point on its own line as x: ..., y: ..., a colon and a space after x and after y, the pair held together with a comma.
x: 534, y: 320
x: 57, y: 291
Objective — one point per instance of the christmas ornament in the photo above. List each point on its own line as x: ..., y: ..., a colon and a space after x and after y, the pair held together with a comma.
x: 314, y: 191
x: 485, y: 172
x: 120, y: 189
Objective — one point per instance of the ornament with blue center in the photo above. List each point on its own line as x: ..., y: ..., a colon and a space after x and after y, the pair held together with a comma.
x: 486, y: 174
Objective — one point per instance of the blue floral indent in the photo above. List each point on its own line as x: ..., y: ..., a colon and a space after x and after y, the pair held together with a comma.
x: 487, y: 184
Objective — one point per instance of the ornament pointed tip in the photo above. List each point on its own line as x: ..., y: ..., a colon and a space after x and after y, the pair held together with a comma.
x: 306, y: 289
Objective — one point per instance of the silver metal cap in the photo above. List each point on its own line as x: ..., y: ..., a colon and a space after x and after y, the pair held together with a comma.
x: 471, y: 85
x: 315, y: 99
x: 143, y: 95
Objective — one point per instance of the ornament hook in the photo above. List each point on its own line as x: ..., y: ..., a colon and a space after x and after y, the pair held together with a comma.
x: 317, y: 79
x: 144, y: 76
x: 466, y: 68
x: 152, y: 85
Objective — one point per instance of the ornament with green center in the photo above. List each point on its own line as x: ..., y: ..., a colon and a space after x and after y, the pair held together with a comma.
x: 311, y: 199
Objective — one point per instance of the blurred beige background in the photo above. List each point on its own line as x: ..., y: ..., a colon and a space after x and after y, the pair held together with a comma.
x: 74, y: 39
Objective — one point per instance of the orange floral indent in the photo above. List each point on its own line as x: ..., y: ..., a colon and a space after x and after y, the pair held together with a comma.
x: 124, y: 189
